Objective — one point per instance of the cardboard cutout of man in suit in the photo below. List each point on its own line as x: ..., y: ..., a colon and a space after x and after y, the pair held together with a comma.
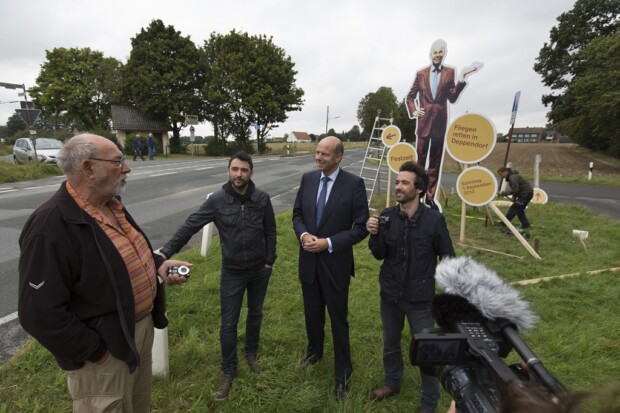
x: 427, y: 101
x: 326, y: 252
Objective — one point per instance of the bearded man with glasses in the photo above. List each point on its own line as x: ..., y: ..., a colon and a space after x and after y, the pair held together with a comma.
x: 90, y: 286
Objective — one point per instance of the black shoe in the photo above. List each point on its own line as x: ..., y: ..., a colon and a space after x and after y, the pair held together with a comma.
x: 224, y: 387
x: 341, y: 391
x: 309, y: 360
x: 253, y: 363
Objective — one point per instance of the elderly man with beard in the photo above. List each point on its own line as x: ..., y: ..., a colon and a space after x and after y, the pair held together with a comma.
x: 244, y: 217
x: 88, y: 282
x: 409, y: 240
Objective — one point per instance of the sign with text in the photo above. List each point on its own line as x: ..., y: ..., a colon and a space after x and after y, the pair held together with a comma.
x: 471, y: 138
x: 391, y: 136
x: 476, y: 186
x: 399, y: 154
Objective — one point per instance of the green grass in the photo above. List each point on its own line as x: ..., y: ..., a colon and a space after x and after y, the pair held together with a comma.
x: 577, y: 338
x: 10, y: 172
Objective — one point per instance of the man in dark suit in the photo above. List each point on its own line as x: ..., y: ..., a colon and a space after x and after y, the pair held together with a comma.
x: 329, y: 217
x: 427, y: 101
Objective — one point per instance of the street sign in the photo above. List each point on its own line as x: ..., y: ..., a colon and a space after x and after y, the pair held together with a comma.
x: 515, y: 107
x: 26, y: 105
x: 191, y: 119
x: 29, y: 116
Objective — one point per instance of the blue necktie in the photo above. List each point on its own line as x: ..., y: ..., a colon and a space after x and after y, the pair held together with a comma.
x: 435, y: 81
x: 320, y: 205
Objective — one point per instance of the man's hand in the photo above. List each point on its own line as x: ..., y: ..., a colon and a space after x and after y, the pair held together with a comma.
x: 172, y: 278
x: 313, y: 244
x: 473, y: 68
x: 372, y: 226
x: 418, y: 113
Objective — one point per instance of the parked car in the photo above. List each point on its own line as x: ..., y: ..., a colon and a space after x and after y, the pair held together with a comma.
x: 47, y: 150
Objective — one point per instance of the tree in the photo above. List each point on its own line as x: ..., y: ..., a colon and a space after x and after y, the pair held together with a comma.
x: 354, y: 134
x: 15, y: 124
x: 384, y: 100
x: 406, y: 125
x: 76, y: 88
x: 594, y: 98
x: 162, y: 77
x: 573, y: 57
x: 248, y: 81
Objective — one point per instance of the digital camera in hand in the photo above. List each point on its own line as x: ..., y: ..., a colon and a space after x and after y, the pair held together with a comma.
x: 384, y: 221
x: 182, y: 270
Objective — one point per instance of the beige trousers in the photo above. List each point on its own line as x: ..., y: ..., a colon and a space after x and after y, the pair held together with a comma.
x: 109, y: 387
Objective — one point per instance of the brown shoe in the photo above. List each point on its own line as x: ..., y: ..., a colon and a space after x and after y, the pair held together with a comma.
x: 383, y: 392
x: 224, y: 387
x: 252, y: 362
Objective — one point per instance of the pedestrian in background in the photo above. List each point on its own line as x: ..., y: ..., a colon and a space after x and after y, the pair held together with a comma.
x: 137, y: 148
x: 520, y: 190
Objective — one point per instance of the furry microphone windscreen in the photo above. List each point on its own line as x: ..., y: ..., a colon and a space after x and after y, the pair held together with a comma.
x: 482, y: 287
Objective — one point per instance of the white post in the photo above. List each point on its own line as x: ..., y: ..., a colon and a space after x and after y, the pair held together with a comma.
x: 537, y: 159
x: 590, y: 171
x: 207, y: 234
x: 161, y: 360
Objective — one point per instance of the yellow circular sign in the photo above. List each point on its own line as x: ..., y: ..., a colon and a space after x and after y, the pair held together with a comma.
x: 470, y: 138
x: 391, y: 136
x: 476, y: 186
x: 540, y: 196
x: 399, y: 154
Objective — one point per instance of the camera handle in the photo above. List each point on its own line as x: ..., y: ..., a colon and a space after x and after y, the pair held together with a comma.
x: 535, y: 365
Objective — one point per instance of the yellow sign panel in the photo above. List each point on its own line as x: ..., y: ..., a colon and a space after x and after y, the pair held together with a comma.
x: 540, y: 196
x: 476, y: 186
x: 399, y: 154
x: 391, y: 136
x: 470, y: 138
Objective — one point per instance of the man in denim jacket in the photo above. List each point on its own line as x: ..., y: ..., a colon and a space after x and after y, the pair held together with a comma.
x: 408, y: 238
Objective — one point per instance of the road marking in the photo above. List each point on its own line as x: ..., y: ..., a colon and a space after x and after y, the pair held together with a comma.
x: 8, y: 318
x: 162, y: 174
x: 4, y: 191
x: 202, y: 169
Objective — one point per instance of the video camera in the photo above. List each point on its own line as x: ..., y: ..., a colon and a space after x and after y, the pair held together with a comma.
x: 468, y: 356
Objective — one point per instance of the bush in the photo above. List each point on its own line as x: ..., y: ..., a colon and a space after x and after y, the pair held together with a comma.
x: 219, y: 147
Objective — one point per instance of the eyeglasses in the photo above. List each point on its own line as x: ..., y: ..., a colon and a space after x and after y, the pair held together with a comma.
x: 118, y: 162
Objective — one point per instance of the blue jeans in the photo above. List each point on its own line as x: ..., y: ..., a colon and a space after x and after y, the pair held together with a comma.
x: 151, y: 153
x: 233, y: 286
x: 393, y: 318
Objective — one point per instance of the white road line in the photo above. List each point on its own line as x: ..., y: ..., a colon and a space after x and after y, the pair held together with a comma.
x: 202, y: 169
x: 165, y: 173
x: 4, y: 191
x: 8, y: 318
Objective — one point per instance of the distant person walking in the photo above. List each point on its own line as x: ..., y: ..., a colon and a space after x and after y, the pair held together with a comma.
x: 521, y: 191
x: 137, y: 148
x: 150, y: 144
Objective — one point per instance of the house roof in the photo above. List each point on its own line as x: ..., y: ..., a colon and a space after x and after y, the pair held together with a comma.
x: 302, y: 136
x: 128, y: 118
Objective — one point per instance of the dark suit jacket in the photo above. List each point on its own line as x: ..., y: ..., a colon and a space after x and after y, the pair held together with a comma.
x: 435, y: 110
x: 343, y: 222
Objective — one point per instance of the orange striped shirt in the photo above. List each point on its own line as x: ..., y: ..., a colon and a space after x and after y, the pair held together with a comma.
x: 133, y: 248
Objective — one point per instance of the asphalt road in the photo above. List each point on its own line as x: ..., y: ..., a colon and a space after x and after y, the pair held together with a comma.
x: 161, y: 194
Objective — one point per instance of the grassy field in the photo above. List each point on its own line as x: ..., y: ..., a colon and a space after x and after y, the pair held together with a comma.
x: 577, y: 338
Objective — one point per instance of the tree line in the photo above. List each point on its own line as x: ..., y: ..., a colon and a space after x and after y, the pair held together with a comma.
x: 234, y: 81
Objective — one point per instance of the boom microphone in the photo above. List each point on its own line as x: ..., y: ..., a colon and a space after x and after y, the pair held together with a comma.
x: 485, y: 290
x: 476, y: 294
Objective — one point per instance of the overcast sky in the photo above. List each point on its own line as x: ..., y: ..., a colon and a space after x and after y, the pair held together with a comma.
x: 342, y: 50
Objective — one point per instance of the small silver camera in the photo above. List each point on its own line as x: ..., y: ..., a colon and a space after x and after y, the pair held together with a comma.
x: 182, y: 270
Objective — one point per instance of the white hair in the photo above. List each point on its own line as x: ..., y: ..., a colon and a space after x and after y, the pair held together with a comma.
x: 75, y: 150
x: 438, y: 44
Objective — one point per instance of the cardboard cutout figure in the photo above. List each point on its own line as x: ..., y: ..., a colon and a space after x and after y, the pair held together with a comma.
x: 427, y: 101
